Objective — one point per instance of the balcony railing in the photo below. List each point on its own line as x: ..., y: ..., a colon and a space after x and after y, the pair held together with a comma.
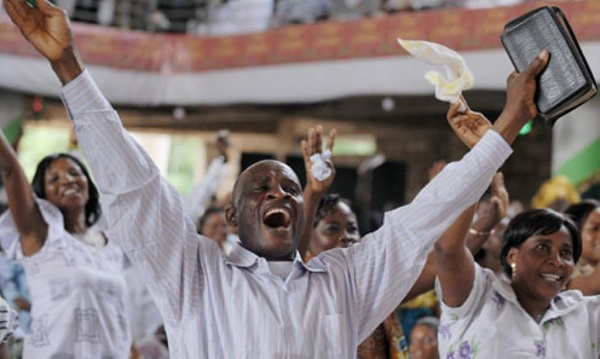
x: 228, y: 17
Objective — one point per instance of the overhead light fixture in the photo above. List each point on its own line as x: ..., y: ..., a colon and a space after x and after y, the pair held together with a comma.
x: 388, y: 104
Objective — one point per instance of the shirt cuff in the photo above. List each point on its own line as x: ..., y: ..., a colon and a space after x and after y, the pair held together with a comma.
x: 83, y: 95
x: 494, y: 148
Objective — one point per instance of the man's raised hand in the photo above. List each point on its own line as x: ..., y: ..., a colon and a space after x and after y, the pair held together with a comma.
x: 48, y: 29
x: 45, y: 26
x: 310, y: 147
x: 520, y: 99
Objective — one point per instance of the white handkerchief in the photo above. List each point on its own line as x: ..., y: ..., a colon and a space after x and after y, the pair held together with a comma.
x: 458, y: 76
x: 319, y: 168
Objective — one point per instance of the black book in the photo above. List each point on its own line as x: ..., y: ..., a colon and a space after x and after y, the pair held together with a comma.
x: 567, y: 82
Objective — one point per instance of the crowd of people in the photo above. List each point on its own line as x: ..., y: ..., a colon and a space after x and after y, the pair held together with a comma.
x: 278, y: 270
x: 227, y: 17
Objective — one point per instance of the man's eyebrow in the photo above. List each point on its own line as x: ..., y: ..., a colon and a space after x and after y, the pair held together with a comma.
x: 290, y: 180
x: 258, y: 178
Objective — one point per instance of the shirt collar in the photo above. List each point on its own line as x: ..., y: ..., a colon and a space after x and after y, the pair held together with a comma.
x: 562, y: 304
x: 315, y: 265
x: 243, y: 258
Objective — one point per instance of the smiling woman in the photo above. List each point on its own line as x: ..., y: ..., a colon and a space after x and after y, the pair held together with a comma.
x: 539, y: 252
x: 335, y: 226
x: 55, y: 169
x: 68, y: 264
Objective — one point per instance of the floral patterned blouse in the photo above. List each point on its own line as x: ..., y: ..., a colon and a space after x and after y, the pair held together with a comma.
x: 492, y: 324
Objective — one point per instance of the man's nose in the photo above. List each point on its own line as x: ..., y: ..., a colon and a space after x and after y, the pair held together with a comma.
x: 277, y: 192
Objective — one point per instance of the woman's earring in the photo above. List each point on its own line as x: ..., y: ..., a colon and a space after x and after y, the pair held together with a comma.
x: 513, y: 267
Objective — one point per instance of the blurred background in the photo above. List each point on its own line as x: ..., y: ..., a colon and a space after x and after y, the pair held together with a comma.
x: 267, y: 70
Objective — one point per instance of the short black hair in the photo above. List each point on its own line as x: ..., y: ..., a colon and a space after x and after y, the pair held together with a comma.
x: 92, y: 207
x: 580, y: 212
x: 535, y: 222
x: 326, y: 205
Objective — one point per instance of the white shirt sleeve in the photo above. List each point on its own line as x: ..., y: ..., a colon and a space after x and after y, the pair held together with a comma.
x: 143, y: 211
x: 387, y: 262
x: 198, y: 199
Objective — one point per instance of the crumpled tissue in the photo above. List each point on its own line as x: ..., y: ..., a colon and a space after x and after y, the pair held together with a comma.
x: 319, y: 168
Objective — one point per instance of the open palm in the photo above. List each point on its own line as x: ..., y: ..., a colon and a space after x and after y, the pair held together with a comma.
x: 46, y: 27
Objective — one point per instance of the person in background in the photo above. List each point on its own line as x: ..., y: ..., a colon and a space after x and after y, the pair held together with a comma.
x: 529, y: 315
x: 489, y: 254
x: 16, y: 293
x: 423, y: 339
x: 556, y: 193
x: 586, y: 276
x: 336, y: 226
x: 490, y: 210
x: 69, y: 265
x: 539, y: 253
x: 9, y: 323
x: 153, y: 346
x: 289, y: 12
x: 213, y: 224
x: 200, y: 196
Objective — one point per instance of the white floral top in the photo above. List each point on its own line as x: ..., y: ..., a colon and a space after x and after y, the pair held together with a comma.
x: 77, y: 293
x: 492, y: 324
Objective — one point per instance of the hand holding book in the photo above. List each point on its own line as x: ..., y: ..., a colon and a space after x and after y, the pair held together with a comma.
x: 521, y: 85
x: 568, y: 81
x: 520, y: 105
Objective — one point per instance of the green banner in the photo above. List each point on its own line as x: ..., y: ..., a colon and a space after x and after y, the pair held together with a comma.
x: 13, y: 130
x: 583, y: 165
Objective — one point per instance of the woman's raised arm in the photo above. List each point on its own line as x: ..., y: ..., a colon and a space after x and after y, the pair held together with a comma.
x: 26, y: 215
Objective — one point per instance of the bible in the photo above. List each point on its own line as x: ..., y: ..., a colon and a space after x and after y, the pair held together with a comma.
x: 567, y: 82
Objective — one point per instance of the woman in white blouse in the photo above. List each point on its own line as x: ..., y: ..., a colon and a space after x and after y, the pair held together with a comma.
x: 527, y: 315
x: 74, y: 272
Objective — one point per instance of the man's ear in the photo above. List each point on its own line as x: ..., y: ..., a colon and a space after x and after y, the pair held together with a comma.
x: 231, y: 216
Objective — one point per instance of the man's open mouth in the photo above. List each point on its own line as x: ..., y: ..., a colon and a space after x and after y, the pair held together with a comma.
x: 277, y: 217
